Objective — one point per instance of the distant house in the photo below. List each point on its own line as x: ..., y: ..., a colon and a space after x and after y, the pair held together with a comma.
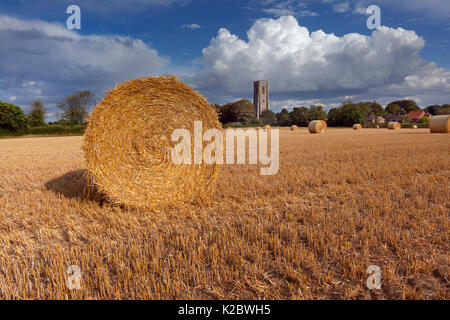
x: 415, y: 116
x: 395, y: 118
x: 375, y: 119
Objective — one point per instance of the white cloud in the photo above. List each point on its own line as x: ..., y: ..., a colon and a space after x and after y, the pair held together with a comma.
x: 341, y: 7
x: 12, y: 98
x: 45, y: 60
x: 288, y: 7
x: 360, y: 8
x: 311, y: 65
x: 192, y: 26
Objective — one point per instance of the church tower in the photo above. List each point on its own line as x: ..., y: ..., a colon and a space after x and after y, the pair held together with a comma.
x: 261, y: 96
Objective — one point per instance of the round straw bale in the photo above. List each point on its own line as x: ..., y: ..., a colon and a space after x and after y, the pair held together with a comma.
x: 414, y: 126
x: 378, y: 127
x: 394, y: 126
x: 440, y: 124
x: 294, y: 128
x: 357, y: 126
x: 317, y: 126
x: 128, y: 144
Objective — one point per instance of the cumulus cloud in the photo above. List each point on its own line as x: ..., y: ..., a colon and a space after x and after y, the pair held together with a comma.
x: 44, y: 60
x: 315, y: 64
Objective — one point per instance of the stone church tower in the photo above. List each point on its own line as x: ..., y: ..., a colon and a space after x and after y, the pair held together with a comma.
x: 261, y: 96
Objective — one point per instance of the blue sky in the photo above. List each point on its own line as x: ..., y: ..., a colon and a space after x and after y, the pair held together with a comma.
x: 219, y: 47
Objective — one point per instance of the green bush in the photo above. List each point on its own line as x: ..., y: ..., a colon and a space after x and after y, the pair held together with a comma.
x: 424, y: 120
x: 46, y: 130
x: 12, y: 117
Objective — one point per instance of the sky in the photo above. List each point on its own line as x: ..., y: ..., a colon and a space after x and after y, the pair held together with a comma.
x: 311, y: 51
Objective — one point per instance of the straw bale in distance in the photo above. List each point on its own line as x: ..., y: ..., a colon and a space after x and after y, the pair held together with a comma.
x: 317, y: 126
x: 394, y: 126
x: 357, y: 126
x: 128, y: 144
x: 414, y: 126
x: 440, y: 124
x: 294, y: 128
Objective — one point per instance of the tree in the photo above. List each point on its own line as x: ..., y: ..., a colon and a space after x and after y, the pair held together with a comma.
x: 300, y: 116
x: 394, y: 109
x: 317, y: 113
x: 283, y: 118
x: 257, y: 122
x: 12, y: 117
x: 75, y: 107
x: 444, y: 110
x: 268, y: 117
x: 37, y: 114
x: 348, y: 114
x: 239, y: 111
x: 433, y: 109
x: 334, y: 117
x: 376, y: 109
x: 405, y: 105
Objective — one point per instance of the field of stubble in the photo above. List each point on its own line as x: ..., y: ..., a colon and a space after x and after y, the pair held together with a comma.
x: 341, y: 201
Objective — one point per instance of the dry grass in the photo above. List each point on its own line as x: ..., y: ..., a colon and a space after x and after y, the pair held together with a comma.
x: 339, y: 204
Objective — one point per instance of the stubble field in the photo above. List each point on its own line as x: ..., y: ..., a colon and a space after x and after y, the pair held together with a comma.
x: 342, y: 201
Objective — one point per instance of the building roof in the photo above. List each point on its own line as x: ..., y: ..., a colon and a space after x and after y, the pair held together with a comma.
x: 416, y: 114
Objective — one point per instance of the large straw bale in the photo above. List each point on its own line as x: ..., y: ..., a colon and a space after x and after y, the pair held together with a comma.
x: 440, y: 124
x: 394, y: 126
x: 317, y: 126
x: 128, y: 144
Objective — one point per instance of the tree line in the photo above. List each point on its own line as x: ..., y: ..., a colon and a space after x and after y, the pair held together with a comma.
x: 346, y: 115
x: 74, y: 110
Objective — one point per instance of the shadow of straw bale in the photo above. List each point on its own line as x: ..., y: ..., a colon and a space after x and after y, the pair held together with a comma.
x: 75, y: 185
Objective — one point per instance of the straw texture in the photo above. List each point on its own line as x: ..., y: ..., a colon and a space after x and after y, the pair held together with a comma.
x: 394, y: 126
x: 128, y: 144
x: 294, y: 128
x: 440, y: 124
x: 317, y: 126
x: 357, y: 126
